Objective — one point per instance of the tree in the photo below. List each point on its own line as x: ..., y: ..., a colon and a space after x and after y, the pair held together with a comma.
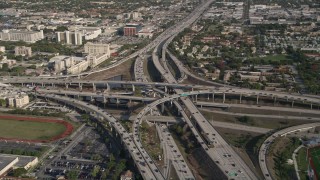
x: 5, y: 67
x: 3, y: 102
x: 73, y: 175
x: 19, y: 172
x: 95, y: 171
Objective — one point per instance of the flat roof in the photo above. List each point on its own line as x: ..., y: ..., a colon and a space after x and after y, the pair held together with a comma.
x: 5, y: 161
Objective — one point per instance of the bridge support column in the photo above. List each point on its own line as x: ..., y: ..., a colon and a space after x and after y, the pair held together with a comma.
x: 117, y: 102
x: 165, y: 89
x: 224, y: 98
x: 275, y: 99
x: 171, y: 103
x: 80, y: 86
x: 162, y: 107
x: 42, y: 84
x: 133, y: 88
x: 208, y: 97
x: 22, y: 84
x: 32, y: 84
x: 94, y: 87
x: 108, y: 88
x: 151, y: 112
x: 240, y: 97
x: 196, y: 97
x: 311, y: 105
x: 257, y: 99
x: 67, y: 86
x: 292, y: 103
x: 52, y: 84
x: 104, y: 101
x: 212, y: 97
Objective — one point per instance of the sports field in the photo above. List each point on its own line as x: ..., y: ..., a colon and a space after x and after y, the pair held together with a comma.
x: 32, y: 129
x: 314, y: 153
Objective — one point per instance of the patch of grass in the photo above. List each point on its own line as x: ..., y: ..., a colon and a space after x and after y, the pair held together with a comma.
x: 29, y: 130
x: 278, y: 57
x: 302, y: 162
x: 150, y: 140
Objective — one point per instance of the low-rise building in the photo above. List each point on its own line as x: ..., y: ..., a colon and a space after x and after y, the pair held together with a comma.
x: 8, y: 161
x: 26, y: 36
x: 96, y: 48
x: 23, y: 51
x: 2, y: 49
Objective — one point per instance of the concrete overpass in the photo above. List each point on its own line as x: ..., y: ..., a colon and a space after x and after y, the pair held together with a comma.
x: 135, y: 149
x: 266, y: 144
x: 215, y: 90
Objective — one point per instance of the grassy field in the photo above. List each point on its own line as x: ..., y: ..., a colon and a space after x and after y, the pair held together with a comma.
x: 302, y: 163
x: 29, y: 130
x: 315, y: 155
x: 279, y: 57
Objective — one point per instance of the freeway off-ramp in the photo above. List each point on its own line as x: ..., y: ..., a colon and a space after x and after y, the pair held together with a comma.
x: 265, y: 146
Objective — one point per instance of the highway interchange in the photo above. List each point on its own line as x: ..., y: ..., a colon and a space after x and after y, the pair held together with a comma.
x: 210, y: 140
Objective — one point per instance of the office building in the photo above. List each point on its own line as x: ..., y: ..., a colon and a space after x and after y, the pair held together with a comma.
x: 96, y: 48
x: 22, y: 51
x: 26, y: 36
x: 131, y: 29
x: 70, y: 38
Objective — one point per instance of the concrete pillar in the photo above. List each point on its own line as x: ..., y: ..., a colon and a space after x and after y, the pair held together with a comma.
x: 108, y: 87
x: 42, y: 84
x: 165, y: 89
x: 162, y: 107
x: 79, y: 76
x: 208, y: 97
x: 224, y: 98
x: 67, y: 86
x: 257, y: 99
x: 212, y: 97
x: 151, y: 112
x: 275, y: 99
x: 22, y: 84
x: 94, y: 87
x: 171, y: 103
x: 292, y: 103
x: 133, y: 88
x: 32, y: 84
x: 80, y: 86
x: 196, y: 97
x: 240, y: 97
x: 311, y: 105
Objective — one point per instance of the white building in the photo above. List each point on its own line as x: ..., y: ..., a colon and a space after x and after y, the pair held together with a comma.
x: 70, y: 38
x: 17, y: 100
x: 27, y: 36
x: 22, y: 51
x: 2, y: 49
x: 7, y: 163
x: 93, y: 48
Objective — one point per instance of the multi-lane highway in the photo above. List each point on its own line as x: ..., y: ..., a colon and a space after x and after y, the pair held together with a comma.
x: 173, y: 153
x: 139, y: 155
x: 215, y: 90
